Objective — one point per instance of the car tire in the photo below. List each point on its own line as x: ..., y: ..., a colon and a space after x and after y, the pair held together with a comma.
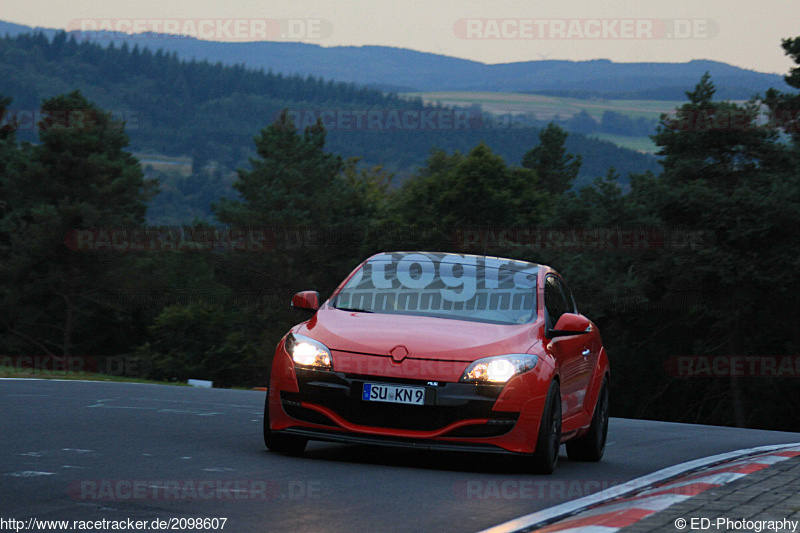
x: 277, y: 442
x: 591, y: 446
x: 548, y: 441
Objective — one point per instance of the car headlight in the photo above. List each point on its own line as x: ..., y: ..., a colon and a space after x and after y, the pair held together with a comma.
x: 498, y: 369
x: 307, y: 352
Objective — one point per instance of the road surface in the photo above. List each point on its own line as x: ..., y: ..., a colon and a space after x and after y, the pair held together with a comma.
x: 118, y: 451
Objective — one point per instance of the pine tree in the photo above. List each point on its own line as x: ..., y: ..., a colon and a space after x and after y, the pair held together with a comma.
x: 293, y: 180
x: 731, y: 179
x: 555, y: 167
x: 79, y: 177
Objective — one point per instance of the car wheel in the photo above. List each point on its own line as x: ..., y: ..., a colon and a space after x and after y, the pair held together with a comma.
x: 591, y: 446
x: 548, y: 442
x: 288, y: 444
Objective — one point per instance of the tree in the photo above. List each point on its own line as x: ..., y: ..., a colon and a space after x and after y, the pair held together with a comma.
x: 295, y: 187
x: 582, y: 122
x: 366, y: 190
x: 731, y: 178
x: 8, y: 148
x: 473, y: 189
x: 718, y: 143
x: 79, y: 177
x: 194, y: 342
x: 555, y: 167
x: 291, y: 182
x: 6, y: 126
x: 456, y: 193
x: 303, y: 198
x: 785, y: 107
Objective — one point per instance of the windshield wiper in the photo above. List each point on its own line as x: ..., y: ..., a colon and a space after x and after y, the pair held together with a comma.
x: 354, y: 309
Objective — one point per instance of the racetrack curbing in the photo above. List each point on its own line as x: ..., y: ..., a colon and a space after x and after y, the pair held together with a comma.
x: 625, y: 504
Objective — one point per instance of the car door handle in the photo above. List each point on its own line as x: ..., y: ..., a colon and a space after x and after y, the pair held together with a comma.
x: 585, y: 352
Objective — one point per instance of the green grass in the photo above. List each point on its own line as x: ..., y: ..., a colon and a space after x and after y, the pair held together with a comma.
x: 546, y: 107
x: 640, y: 144
x: 163, y: 163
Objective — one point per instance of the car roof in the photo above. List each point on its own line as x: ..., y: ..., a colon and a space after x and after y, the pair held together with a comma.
x: 439, y: 256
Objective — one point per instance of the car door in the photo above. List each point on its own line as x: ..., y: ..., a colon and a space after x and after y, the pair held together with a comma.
x: 567, y: 351
x: 588, y: 346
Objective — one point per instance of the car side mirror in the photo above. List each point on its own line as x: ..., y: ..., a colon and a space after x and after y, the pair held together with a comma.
x: 308, y: 300
x: 570, y: 324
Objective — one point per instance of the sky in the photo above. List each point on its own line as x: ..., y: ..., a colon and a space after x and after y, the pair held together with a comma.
x: 745, y: 33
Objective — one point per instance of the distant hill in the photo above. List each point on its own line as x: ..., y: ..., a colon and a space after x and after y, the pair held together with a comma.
x: 403, y: 70
x: 206, y: 116
x: 212, y: 112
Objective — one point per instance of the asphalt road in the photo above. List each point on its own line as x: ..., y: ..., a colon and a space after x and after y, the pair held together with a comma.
x: 93, y: 451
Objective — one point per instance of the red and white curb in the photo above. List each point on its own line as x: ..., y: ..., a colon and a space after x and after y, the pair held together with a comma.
x: 623, y: 505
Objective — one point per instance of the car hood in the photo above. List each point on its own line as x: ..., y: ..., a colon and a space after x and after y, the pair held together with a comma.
x: 424, y: 337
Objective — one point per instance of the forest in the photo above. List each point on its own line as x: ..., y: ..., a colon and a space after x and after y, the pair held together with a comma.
x: 211, y: 112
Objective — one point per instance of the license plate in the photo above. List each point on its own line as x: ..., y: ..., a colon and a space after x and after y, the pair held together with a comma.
x: 379, y: 392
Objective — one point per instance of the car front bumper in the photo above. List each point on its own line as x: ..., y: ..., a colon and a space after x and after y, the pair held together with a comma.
x: 327, y: 405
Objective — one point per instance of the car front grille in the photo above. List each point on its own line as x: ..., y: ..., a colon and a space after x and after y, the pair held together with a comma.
x: 446, y: 403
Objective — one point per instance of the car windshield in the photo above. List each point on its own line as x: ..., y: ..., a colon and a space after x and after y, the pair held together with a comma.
x: 463, y: 287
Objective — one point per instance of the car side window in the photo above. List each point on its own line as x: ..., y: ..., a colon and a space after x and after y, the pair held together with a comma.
x: 554, y: 301
x: 571, y: 306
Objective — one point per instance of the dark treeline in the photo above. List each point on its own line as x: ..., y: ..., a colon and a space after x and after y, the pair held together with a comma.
x: 718, y: 277
x: 611, y: 122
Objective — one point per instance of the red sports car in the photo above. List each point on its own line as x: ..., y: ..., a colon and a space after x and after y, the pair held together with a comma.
x: 443, y: 351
